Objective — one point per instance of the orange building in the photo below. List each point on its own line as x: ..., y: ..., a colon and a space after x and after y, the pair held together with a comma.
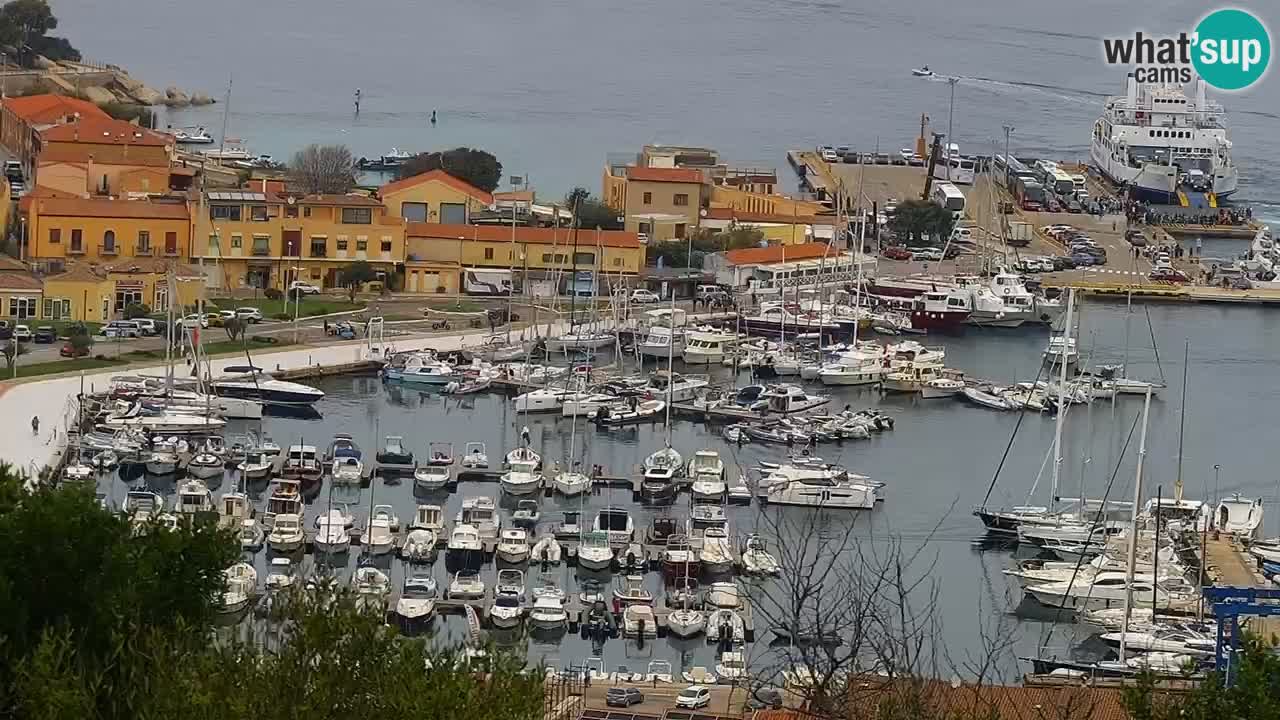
x: 103, y: 156
x: 66, y: 228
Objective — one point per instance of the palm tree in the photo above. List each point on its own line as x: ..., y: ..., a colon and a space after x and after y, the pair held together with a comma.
x: 915, y: 219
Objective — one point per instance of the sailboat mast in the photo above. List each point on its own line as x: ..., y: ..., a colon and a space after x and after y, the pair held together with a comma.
x: 1182, y: 421
x: 1133, y: 530
x: 1062, y: 406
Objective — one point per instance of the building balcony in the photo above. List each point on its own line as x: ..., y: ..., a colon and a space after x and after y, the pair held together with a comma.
x: 141, y: 251
x: 108, y: 250
x: 317, y: 253
x: 262, y: 252
x: 171, y: 252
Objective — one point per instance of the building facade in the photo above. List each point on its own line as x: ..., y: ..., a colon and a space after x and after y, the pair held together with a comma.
x: 434, y: 197
x: 93, y: 292
x: 267, y: 240
x: 104, y: 156
x: 657, y: 203
x: 100, y: 229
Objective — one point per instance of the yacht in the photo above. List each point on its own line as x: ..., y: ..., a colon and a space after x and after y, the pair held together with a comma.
x: 661, y: 342
x: 1239, y: 516
x: 579, y: 338
x: 674, y: 387
x: 481, y: 514
x: 707, y: 346
x: 333, y: 534
x: 829, y: 491
x: 1164, y: 146
x: 423, y: 370
x: 521, y: 478
x: 1108, y: 589
x: 252, y: 382
x: 417, y: 601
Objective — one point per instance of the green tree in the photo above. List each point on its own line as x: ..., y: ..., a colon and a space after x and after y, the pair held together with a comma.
x: 356, y: 274
x: 133, y: 311
x: 592, y: 212
x: 323, y: 169
x: 916, y: 219
x: 81, y: 342
x: 11, y: 351
x: 477, y: 167
x: 1255, y: 694
x: 23, y: 21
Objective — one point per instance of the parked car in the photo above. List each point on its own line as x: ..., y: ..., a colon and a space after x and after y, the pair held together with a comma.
x: 13, y: 170
x: 1085, y: 260
x: 194, y: 320
x: 1136, y: 238
x: 694, y: 696
x: 6, y: 330
x: 1063, y: 262
x: 16, y: 189
x: 1168, y: 274
x: 251, y: 314
x: 642, y: 296
x: 828, y: 153
x: 623, y: 697
x: 896, y: 252
x: 69, y: 350
x: 45, y: 335
x: 227, y: 315
x: 927, y: 254
x: 122, y: 329
x: 22, y: 333
x: 916, y: 160
x: 882, y: 158
x: 306, y: 288
x: 148, y: 326
x: 213, y: 319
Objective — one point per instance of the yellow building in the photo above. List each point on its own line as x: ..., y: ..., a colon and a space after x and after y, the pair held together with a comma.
x: 434, y: 197
x: 776, y: 229
x: 104, y: 156
x: 658, y: 203
x: 20, y: 291
x: 100, y: 292
x: 61, y: 229
x: 269, y: 239
x: 434, y: 249
x: 759, y: 203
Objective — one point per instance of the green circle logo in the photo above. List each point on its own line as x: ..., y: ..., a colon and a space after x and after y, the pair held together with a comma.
x: 1231, y: 49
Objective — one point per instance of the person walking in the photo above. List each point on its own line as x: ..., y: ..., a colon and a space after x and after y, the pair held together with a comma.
x: 35, y: 424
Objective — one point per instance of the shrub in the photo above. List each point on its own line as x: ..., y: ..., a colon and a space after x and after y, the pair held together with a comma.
x: 272, y: 294
x: 134, y: 311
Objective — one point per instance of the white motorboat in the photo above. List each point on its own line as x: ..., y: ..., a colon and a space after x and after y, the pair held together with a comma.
x: 507, y: 610
x: 280, y: 574
x: 665, y: 464
x: 686, y: 623
x: 579, y: 339
x: 205, y: 466
x: 233, y: 509
x: 707, y: 346
x: 638, y: 620
x: 420, y: 546
x: 922, y: 72
x: 616, y: 523
x: 1109, y: 589
x: 842, y: 374
x: 476, y: 456
x: 732, y: 667
x: 302, y: 462
x: 545, y: 399
x: 240, y: 583
x: 464, y: 546
x: 1164, y: 640
x: 582, y: 404
x: 378, y: 537
x: 423, y: 370
x: 1061, y: 349
x: 706, y: 463
x: 708, y: 489
x: 674, y: 387
x: 245, y: 381
x: 594, y: 552
x: 193, y: 499
x: 429, y: 478
x: 527, y: 514
x: 707, y: 515
x: 193, y: 136
x: 162, y: 462
x: 417, y: 601
x: 548, y: 612
x: 985, y: 397
x: 661, y: 342
x: 466, y: 585
x: 756, y: 558
x: 168, y: 423
x: 428, y: 517
x: 726, y: 623
x: 546, y: 550
x: 256, y: 465
x: 787, y: 399
x: 440, y: 454
x: 524, y: 454
x: 513, y: 546
x: 1239, y: 516
x: 347, y: 471
x: 372, y: 586
x: 716, y: 555
x: 286, y: 534
x: 333, y: 533
x: 481, y: 514
x: 572, y: 483
x: 941, y: 387
x: 521, y: 478
x: 627, y: 413
x: 839, y: 492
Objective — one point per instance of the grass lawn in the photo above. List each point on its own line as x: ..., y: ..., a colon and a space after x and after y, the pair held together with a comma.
x: 58, y: 366
x: 222, y: 347
x: 60, y: 326
x: 310, y: 306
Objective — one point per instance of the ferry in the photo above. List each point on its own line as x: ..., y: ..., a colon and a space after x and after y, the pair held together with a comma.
x: 1164, y: 147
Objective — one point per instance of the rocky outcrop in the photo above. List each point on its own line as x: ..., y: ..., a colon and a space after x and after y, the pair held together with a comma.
x: 199, y: 98
x: 98, y: 95
x: 146, y: 96
x: 43, y: 63
x: 173, y: 97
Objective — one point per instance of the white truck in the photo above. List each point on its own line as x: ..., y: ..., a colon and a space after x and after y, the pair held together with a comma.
x: 1019, y: 234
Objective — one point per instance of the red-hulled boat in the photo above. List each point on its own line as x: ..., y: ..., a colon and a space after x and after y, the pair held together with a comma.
x: 932, y: 311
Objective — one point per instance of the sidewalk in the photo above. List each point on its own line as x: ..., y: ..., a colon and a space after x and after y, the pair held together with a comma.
x: 53, y: 400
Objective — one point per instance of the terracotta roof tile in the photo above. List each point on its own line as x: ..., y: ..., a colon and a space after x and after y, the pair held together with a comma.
x: 335, y: 200
x: 150, y: 266
x: 50, y: 109
x: 80, y: 272
x: 652, y: 174
x: 77, y: 154
x: 779, y: 253
x: 105, y: 208
x: 436, y: 176
x: 525, y: 235
x: 10, y: 280
x: 104, y: 131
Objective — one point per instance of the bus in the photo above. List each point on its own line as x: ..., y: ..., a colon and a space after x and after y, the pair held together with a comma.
x: 1030, y: 193
x: 486, y: 281
x: 1060, y: 182
x: 949, y: 196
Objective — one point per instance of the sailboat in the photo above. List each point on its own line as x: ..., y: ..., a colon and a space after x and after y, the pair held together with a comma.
x: 578, y: 337
x: 665, y: 465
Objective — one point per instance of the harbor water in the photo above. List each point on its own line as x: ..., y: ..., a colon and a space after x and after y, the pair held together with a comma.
x: 936, y: 464
x: 552, y: 87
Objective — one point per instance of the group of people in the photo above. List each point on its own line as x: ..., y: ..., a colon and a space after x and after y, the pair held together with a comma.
x: 1143, y: 213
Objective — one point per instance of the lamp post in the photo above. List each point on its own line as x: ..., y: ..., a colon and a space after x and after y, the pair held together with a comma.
x: 297, y: 303
x: 1008, y: 130
x: 950, y: 120
x: 1216, y: 468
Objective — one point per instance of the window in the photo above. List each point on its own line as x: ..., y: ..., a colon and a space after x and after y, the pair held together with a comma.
x: 55, y: 236
x: 258, y: 213
x: 342, y: 245
x: 680, y: 199
x: 453, y: 213
x: 57, y: 309
x: 261, y: 245
x: 319, y: 245
x: 386, y: 246
x: 414, y: 211
x: 22, y: 307
x: 306, y: 212
x: 315, y: 273
x: 357, y: 216
x: 584, y: 258
x: 171, y: 243
x: 77, y: 241
x: 488, y: 253
x: 291, y: 211
x: 237, y: 241
x: 362, y: 245
x: 109, y: 242
x: 126, y: 297
x: 144, y: 243
x: 617, y: 262
x: 680, y: 227
x: 225, y: 212
x: 648, y: 198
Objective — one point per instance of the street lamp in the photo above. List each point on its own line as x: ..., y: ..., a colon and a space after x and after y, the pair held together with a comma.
x: 297, y: 302
x: 950, y: 120
x: 1008, y: 130
x: 1216, y: 468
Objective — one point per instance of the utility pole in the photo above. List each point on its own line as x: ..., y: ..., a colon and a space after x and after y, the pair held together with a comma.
x: 951, y: 135
x: 1008, y: 130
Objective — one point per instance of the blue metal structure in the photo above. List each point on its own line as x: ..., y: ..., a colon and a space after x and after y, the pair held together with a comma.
x: 1229, y: 603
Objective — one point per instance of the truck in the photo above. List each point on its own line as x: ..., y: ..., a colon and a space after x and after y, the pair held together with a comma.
x: 477, y: 281
x: 1019, y: 234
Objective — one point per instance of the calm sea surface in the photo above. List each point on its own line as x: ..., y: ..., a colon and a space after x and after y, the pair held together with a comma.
x: 552, y: 87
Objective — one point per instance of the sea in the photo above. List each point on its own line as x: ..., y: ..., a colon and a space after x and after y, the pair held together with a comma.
x: 552, y: 88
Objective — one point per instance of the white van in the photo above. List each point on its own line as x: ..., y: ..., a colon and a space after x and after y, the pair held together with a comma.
x: 123, y: 328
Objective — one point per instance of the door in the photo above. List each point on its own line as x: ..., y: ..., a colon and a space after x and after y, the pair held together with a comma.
x: 292, y: 243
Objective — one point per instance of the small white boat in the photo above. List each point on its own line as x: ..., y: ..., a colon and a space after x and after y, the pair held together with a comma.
x: 1239, y: 516
x: 241, y: 581
x: 280, y: 574
x: 594, y: 552
x: 439, y: 453
x: 579, y: 339
x: 638, y: 620
x: 571, y: 483
x: 286, y: 533
x: 78, y: 472
x: 507, y: 610
x: 256, y: 465
x: 466, y: 585
x: 378, y: 537
x: 333, y: 534
x: 522, y: 478
x: 665, y: 464
x: 372, y: 587
x: 732, y: 667
x: 205, y: 466
x: 162, y: 462
x: 941, y: 387
x: 428, y: 517
x: 429, y: 478
x: 420, y: 546
x: 725, y: 623
x: 986, y: 398
x: 513, y: 546
x: 464, y: 544
x: 347, y: 471
x: 716, y: 555
x: 756, y: 558
x: 476, y: 456
x: 548, y: 612
x: 922, y: 71
x: 524, y: 454
x: 625, y: 414
x: 193, y: 498
x: 685, y: 623
x: 193, y: 136
x: 417, y: 601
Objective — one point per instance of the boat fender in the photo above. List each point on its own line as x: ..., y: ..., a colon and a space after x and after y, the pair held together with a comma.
x: 1008, y: 290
